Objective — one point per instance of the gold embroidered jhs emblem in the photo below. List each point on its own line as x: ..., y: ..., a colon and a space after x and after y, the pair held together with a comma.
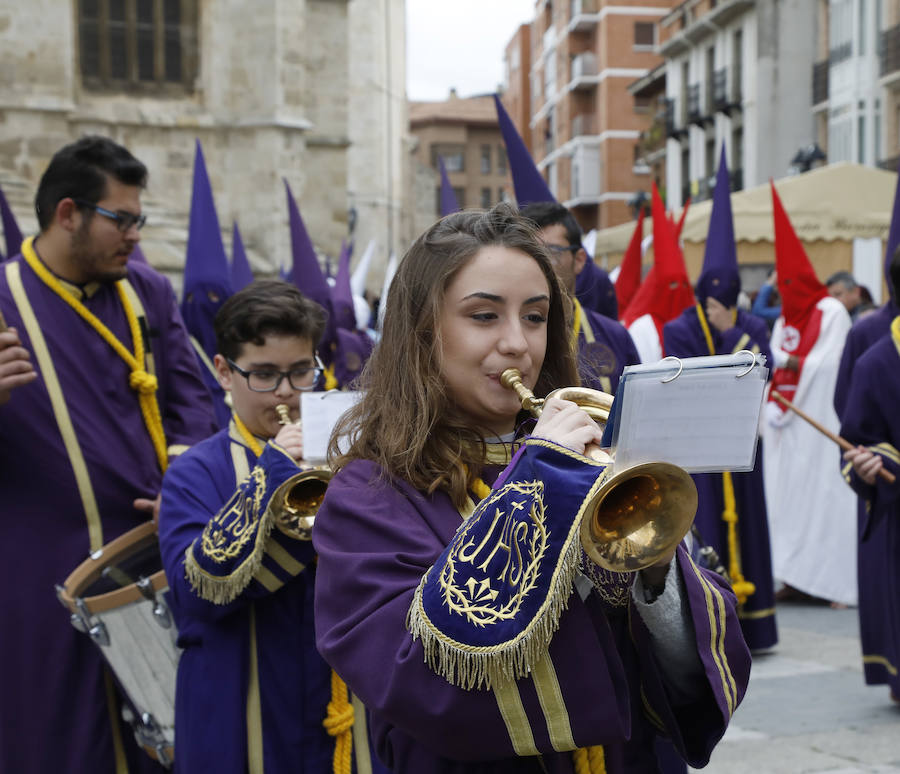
x: 226, y: 535
x: 501, y: 564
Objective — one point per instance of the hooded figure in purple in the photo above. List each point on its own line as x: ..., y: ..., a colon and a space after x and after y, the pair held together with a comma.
x: 715, y: 326
x: 872, y: 421
x: 352, y: 345
x: 11, y: 233
x: 344, y: 348
x: 877, y: 635
x: 593, y: 287
x: 241, y: 274
x: 207, y: 282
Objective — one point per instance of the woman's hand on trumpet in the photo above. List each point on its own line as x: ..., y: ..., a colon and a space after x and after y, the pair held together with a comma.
x: 290, y: 438
x: 865, y: 463
x: 564, y: 423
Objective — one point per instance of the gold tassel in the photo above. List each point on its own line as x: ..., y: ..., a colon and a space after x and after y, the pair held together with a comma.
x: 339, y: 724
x: 590, y: 760
x: 742, y: 587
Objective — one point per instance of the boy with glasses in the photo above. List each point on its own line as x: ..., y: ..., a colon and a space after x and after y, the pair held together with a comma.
x: 252, y: 691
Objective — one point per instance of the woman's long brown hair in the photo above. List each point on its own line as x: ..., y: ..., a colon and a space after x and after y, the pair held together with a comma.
x: 405, y: 421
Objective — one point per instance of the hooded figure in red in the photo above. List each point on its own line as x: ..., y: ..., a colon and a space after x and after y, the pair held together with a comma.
x: 665, y: 292
x: 811, y: 511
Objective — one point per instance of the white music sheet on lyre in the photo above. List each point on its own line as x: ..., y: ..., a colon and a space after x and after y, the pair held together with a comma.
x: 320, y: 412
x: 703, y: 420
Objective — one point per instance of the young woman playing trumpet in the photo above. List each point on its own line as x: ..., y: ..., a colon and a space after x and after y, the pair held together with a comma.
x: 452, y: 593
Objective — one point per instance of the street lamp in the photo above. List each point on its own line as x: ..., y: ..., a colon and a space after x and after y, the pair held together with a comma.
x: 806, y: 157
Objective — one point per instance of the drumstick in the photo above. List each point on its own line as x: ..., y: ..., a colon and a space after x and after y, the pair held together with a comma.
x: 842, y: 442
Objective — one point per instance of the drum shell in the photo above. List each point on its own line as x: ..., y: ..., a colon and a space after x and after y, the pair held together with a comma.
x: 128, y: 624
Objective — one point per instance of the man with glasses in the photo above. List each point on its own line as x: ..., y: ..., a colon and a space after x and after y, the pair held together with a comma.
x: 241, y: 583
x: 98, y: 388
x: 604, y: 346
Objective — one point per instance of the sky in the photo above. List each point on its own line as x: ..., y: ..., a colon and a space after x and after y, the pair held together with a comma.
x: 459, y: 44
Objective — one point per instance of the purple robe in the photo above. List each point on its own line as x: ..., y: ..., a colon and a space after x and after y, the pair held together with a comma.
x: 871, y: 418
x: 53, y: 712
x: 683, y: 337
x: 601, y: 361
x: 276, y: 605
x: 862, y: 335
x: 376, y: 540
x: 595, y: 290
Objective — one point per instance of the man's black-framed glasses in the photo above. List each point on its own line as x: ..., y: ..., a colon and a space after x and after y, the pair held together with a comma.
x: 269, y: 379
x: 556, y: 251
x: 124, y: 220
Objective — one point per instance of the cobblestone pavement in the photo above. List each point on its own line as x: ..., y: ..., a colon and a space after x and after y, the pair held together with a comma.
x: 807, y: 709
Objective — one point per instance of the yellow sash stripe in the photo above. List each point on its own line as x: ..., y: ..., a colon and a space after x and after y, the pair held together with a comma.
x: 361, y: 751
x: 254, y: 707
x: 204, y: 358
x: 752, y: 615
x: 871, y: 659
x: 239, y: 461
x: 135, y: 300
x: 513, y: 712
x: 58, y: 404
x: 118, y: 746
x: 895, y: 332
x: 716, y: 644
x: 265, y: 576
x: 287, y: 562
x: 741, y: 344
x: 553, y: 705
x: 886, y: 450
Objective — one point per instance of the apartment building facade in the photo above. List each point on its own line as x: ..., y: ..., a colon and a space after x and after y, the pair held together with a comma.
x: 738, y: 75
x: 584, y: 124
x: 465, y: 133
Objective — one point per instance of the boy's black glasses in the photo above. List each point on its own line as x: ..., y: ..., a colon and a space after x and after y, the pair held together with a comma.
x: 269, y: 379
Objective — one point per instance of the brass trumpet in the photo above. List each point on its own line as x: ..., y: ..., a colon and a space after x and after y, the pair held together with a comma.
x: 296, y: 502
x: 638, y: 516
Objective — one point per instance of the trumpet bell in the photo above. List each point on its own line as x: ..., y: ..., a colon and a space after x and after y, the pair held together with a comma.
x: 297, y: 501
x: 639, y: 516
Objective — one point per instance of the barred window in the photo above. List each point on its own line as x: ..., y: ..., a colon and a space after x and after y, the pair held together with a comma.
x: 138, y: 45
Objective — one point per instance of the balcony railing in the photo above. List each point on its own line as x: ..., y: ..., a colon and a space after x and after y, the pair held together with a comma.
x: 578, y: 7
x: 820, y: 82
x: 889, y: 50
x: 727, y: 94
x: 840, y: 53
x: 699, y: 110
x: 676, y: 123
x: 582, y: 125
x: 584, y: 65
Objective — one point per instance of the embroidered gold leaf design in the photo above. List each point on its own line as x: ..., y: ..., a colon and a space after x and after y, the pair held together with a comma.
x: 524, y: 543
x: 234, y: 525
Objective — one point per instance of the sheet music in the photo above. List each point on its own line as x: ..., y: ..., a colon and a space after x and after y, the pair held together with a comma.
x: 701, y: 414
x: 320, y: 412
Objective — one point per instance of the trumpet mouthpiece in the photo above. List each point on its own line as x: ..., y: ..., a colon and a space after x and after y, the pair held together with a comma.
x: 510, y: 377
x: 284, y: 414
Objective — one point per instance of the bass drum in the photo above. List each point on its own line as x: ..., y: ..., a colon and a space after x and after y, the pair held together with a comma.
x: 117, y: 597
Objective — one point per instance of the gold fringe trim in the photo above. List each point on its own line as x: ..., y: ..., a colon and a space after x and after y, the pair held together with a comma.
x: 473, y: 667
x: 222, y: 589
